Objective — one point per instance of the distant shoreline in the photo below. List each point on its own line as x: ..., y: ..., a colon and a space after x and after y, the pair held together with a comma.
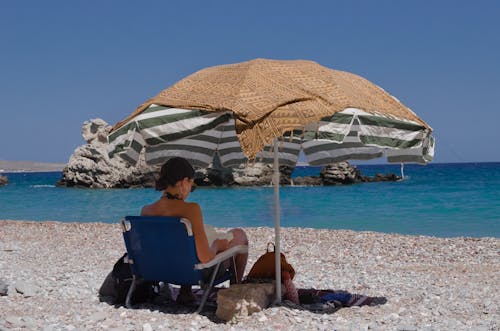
x: 29, y: 166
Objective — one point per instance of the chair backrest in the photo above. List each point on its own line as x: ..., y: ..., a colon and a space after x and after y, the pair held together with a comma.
x: 162, y: 249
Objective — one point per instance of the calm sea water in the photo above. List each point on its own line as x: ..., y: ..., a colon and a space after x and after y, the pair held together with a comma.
x: 443, y: 200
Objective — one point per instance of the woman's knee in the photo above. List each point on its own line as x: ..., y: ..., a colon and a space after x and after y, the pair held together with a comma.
x: 239, y: 236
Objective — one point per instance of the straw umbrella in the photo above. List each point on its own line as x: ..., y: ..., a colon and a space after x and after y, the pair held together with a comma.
x: 270, y: 110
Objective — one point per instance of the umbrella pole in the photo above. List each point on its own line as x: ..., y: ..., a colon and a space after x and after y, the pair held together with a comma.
x: 277, y: 247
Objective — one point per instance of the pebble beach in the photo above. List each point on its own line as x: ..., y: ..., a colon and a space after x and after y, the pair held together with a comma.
x: 53, y: 270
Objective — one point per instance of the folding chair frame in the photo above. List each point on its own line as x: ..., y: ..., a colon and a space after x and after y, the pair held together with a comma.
x: 215, y: 263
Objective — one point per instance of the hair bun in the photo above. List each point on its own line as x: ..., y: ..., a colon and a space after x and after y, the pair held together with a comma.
x: 172, y: 171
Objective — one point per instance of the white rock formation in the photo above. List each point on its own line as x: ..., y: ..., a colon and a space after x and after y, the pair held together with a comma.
x: 90, y: 165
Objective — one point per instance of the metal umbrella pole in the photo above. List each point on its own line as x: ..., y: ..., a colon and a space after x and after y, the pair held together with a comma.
x: 277, y: 247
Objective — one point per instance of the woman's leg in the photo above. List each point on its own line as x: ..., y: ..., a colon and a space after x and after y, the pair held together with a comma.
x: 239, y: 238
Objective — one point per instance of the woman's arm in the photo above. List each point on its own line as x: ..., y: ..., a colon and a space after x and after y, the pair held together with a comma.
x: 219, y: 245
x: 203, y: 250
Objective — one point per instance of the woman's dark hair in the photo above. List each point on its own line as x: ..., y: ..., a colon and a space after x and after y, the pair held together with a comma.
x: 172, y: 171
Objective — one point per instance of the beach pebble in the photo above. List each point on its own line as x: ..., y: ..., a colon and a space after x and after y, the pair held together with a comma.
x: 12, y: 320
x: 51, y: 327
x: 262, y: 317
x: 405, y: 327
x: 26, y: 289
x: 4, y: 287
x: 28, y: 323
x: 98, y: 316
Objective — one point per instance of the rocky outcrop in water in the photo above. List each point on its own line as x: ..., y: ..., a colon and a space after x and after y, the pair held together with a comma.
x: 3, y: 180
x: 90, y: 166
x: 342, y: 173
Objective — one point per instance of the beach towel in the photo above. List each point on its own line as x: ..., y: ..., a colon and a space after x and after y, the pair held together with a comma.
x: 322, y: 299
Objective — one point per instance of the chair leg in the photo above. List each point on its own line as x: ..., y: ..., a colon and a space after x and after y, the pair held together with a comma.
x: 130, y: 292
x: 207, y: 289
x: 235, y: 272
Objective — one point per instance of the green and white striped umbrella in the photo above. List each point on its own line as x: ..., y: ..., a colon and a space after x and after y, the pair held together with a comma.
x: 351, y: 134
x: 242, y: 110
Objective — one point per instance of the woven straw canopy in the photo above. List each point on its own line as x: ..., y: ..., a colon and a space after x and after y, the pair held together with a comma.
x: 271, y: 97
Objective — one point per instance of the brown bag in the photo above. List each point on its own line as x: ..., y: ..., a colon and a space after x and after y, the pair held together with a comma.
x: 264, y: 267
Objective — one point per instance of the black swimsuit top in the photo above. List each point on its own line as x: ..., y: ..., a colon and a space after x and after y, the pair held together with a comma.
x: 171, y: 196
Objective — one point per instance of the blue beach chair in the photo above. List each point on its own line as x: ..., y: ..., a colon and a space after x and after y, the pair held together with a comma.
x: 162, y: 249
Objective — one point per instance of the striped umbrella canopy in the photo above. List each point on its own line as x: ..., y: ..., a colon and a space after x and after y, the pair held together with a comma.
x: 165, y: 132
x: 270, y: 110
x: 238, y: 110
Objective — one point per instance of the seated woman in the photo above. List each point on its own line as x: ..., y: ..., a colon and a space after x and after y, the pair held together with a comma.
x: 177, y: 181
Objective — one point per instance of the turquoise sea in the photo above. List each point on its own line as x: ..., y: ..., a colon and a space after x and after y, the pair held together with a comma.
x: 445, y: 200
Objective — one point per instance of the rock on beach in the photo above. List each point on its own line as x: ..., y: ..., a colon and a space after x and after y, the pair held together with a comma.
x: 429, y: 283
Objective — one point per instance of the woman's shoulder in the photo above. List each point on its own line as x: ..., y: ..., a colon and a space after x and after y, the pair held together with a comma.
x: 147, y: 210
x: 189, y: 210
x: 191, y: 207
x: 191, y: 204
x: 192, y: 211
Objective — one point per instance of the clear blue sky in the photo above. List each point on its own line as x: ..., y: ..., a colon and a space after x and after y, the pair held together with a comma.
x: 65, y: 62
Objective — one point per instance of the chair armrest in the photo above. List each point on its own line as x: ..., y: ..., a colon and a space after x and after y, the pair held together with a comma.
x: 222, y: 256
